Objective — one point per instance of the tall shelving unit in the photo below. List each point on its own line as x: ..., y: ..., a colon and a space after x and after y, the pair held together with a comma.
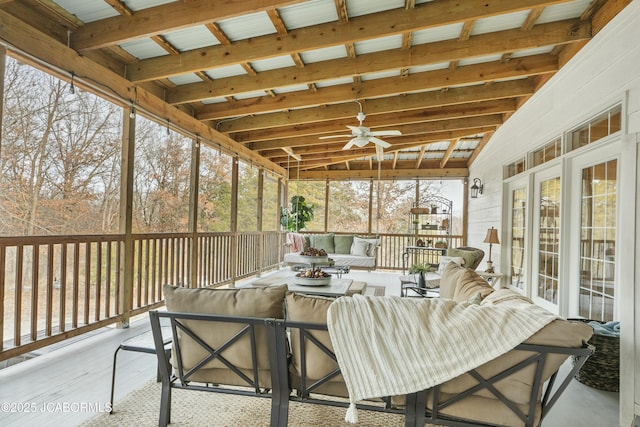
x: 430, y: 223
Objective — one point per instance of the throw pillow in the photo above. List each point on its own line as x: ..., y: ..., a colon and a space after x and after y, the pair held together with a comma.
x: 468, y: 284
x: 343, y: 243
x: 469, y: 256
x: 323, y: 241
x: 373, y: 244
x: 444, y: 260
x: 359, y: 248
x: 449, y: 279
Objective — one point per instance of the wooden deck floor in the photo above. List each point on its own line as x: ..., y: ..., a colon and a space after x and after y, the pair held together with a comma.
x: 70, y: 384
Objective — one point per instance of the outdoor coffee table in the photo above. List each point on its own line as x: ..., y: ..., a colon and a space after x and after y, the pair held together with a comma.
x: 337, y: 287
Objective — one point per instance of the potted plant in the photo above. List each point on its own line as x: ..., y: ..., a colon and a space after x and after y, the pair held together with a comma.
x: 297, y: 215
x: 419, y: 269
x: 441, y: 244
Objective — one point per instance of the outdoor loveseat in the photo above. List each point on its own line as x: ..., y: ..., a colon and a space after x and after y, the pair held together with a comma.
x: 268, y: 342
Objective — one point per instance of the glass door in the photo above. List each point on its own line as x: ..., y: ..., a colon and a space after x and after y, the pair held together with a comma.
x: 547, y: 239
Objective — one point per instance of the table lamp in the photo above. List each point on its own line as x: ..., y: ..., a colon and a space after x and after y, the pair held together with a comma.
x: 491, y: 238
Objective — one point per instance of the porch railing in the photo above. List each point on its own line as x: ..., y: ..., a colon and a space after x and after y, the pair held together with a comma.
x: 56, y: 287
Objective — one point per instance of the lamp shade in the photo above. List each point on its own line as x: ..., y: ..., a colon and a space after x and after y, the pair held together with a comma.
x: 492, y: 236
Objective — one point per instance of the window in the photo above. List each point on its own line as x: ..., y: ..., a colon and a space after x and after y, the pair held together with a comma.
x: 548, y: 152
x: 514, y: 168
x: 596, y: 128
x: 518, y: 233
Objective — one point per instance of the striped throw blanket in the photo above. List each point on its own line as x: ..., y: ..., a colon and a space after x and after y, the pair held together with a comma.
x: 388, y: 346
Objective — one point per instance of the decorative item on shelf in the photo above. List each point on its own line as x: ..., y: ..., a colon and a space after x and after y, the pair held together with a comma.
x: 425, y: 226
x: 476, y: 188
x: 491, y: 238
x: 441, y: 244
x: 420, y: 242
x: 429, y: 242
x: 434, y: 209
x: 445, y: 224
x: 418, y: 211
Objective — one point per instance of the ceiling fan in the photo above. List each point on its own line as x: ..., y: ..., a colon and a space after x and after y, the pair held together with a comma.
x: 362, y: 135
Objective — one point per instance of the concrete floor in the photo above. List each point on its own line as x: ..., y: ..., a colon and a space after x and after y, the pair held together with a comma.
x: 71, y: 383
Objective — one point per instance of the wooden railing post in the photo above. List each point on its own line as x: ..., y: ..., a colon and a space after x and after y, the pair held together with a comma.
x: 126, y: 215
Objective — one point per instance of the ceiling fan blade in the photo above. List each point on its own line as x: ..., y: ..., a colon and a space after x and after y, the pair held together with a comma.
x: 335, y: 136
x: 385, y: 133
x: 349, y: 145
x: 379, y: 142
x: 379, y: 153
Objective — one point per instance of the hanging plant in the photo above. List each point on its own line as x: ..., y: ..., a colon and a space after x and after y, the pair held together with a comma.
x: 297, y: 215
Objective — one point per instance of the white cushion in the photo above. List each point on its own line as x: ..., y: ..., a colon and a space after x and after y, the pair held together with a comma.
x: 373, y: 244
x: 359, y: 248
x: 444, y: 260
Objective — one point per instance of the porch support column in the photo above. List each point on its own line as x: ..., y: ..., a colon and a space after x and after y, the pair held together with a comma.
x: 370, y: 225
x: 260, y: 210
x: 326, y: 206
x: 193, y: 214
x: 234, y: 221
x: 126, y: 215
x: 282, y: 194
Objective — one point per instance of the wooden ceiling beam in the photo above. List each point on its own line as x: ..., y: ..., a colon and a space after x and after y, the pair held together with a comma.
x: 425, y: 54
x: 310, y: 144
x: 373, y: 107
x: 449, y: 152
x: 393, y: 120
x: 428, y: 80
x: 381, y: 24
x: 163, y: 19
x: 384, y: 174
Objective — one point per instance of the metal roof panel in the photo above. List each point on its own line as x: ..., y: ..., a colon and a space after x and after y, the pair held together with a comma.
x: 309, y: 13
x: 247, y: 26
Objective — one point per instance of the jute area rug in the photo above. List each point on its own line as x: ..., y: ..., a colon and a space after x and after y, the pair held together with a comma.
x: 197, y: 408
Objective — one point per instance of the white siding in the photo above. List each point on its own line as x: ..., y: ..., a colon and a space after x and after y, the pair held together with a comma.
x: 606, y: 71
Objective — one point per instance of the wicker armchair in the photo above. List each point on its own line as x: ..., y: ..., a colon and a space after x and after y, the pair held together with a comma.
x: 478, y: 255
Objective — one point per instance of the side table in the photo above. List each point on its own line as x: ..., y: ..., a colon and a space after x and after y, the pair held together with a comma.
x: 492, y: 278
x: 142, y: 343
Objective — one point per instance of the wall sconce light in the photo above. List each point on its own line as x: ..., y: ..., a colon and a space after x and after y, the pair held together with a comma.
x: 476, y: 188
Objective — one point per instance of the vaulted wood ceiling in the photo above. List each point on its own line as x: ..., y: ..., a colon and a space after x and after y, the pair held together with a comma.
x: 267, y: 78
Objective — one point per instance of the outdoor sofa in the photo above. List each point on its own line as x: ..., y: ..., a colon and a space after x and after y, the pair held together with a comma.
x: 358, y: 252
x: 271, y: 343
